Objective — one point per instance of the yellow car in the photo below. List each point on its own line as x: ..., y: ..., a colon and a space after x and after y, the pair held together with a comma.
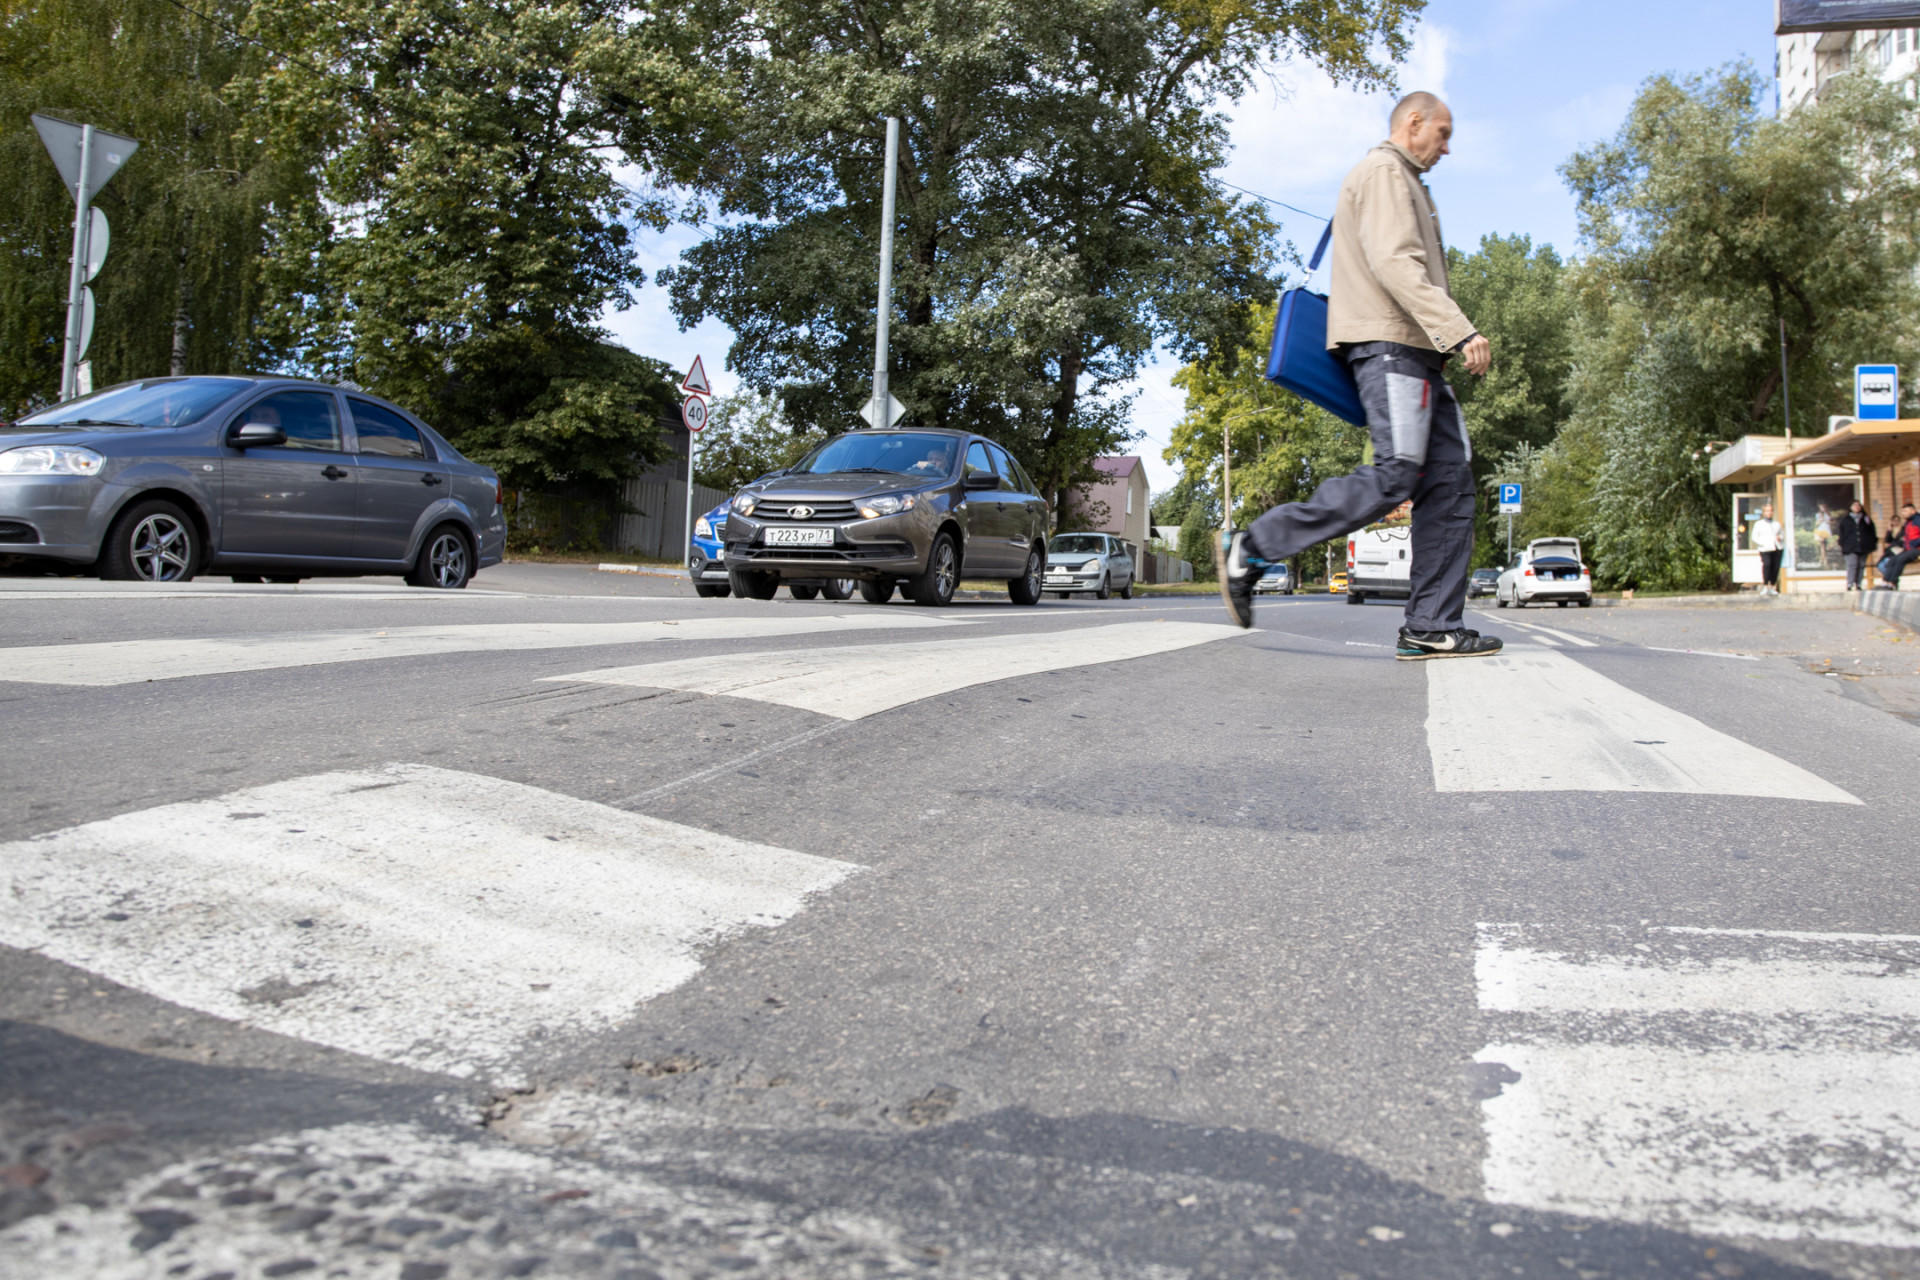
x: 1337, y: 584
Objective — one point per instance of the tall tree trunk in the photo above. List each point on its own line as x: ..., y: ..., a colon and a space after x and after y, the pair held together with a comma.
x: 1060, y: 496
x: 182, y: 310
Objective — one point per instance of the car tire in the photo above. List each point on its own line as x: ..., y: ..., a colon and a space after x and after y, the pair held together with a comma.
x: 445, y: 562
x: 1587, y: 603
x: 1518, y: 603
x: 1354, y: 597
x: 1126, y: 592
x: 1025, y: 589
x: 1063, y: 595
x: 712, y: 590
x: 876, y: 591
x: 838, y: 589
x: 1499, y: 601
x: 799, y: 592
x: 934, y: 586
x: 1563, y: 604
x: 151, y: 541
x: 749, y: 585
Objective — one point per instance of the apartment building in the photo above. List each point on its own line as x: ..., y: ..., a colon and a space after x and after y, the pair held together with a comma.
x: 1805, y: 62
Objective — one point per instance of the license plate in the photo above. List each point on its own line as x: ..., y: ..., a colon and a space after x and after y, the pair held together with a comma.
x: 1059, y: 582
x: 799, y: 537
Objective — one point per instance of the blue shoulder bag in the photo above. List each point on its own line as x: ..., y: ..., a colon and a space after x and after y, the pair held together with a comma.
x: 1300, y: 361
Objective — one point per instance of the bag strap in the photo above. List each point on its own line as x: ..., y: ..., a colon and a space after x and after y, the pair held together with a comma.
x: 1325, y: 237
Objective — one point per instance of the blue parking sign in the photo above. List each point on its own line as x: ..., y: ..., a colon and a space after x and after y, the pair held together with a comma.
x: 1509, y: 499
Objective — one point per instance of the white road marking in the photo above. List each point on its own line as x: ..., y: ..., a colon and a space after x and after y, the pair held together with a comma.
x: 132, y: 661
x: 1532, y: 719
x: 855, y: 681
x: 1706, y: 653
x: 437, y: 919
x: 1569, y: 637
x: 1739, y: 1082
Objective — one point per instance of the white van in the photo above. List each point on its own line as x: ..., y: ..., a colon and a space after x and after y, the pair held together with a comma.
x: 1380, y: 563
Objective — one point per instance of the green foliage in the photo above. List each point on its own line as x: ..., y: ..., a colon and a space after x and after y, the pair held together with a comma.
x: 1196, y: 541
x: 187, y: 213
x: 467, y: 228
x: 745, y: 439
x: 1057, y: 212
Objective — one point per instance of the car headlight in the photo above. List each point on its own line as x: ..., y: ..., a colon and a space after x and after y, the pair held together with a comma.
x: 1090, y: 567
x: 702, y: 528
x: 887, y: 504
x: 744, y: 503
x: 50, y: 460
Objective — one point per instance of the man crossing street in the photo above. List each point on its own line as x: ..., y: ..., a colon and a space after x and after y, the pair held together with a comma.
x: 1391, y: 318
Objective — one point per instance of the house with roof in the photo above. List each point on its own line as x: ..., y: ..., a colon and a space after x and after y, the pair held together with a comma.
x: 1117, y: 503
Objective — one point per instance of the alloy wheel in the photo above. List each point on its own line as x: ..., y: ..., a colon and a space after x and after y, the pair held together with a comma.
x: 160, y: 547
x: 447, y: 561
x: 944, y: 578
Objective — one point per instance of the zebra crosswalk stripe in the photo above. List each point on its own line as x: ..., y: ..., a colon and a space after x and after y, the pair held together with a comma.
x: 427, y: 917
x: 1737, y: 1082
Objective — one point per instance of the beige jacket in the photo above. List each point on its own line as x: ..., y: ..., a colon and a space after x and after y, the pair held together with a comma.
x: 1389, y: 263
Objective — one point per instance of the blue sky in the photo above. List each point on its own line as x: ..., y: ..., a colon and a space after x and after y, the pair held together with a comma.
x: 1530, y: 82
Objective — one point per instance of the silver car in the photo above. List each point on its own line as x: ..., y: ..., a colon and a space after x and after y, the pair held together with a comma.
x: 1089, y: 562
x: 256, y: 477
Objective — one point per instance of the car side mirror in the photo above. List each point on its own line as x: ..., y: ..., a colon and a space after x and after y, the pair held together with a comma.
x: 982, y: 482
x: 257, y: 435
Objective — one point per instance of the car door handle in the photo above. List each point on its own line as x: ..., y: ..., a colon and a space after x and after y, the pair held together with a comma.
x: 429, y: 478
x: 332, y: 472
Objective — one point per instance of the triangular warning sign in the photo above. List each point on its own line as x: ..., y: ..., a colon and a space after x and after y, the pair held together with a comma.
x: 696, y: 379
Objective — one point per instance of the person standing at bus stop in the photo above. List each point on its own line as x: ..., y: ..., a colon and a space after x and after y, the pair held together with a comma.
x: 1391, y: 317
x: 1768, y: 538
x: 1858, y: 538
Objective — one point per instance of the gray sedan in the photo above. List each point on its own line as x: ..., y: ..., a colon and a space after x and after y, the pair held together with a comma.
x: 1089, y: 562
x: 255, y: 477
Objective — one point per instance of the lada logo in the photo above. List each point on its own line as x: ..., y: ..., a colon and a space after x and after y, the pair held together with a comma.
x: 800, y: 513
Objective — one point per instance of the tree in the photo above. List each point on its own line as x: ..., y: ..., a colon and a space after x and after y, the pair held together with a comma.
x: 1057, y: 211
x: 187, y: 214
x: 1712, y: 227
x: 745, y: 439
x: 1517, y: 296
x: 467, y: 228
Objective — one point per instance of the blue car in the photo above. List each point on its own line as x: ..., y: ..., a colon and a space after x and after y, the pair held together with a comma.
x: 707, y: 565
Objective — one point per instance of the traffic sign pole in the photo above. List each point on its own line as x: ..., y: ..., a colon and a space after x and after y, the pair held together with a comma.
x: 693, y: 412
x: 76, y: 275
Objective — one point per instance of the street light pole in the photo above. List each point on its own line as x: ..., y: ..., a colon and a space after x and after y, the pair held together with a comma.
x: 882, y: 394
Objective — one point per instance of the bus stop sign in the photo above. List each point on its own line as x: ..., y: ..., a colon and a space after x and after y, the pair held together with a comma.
x: 1509, y: 499
x: 1876, y: 392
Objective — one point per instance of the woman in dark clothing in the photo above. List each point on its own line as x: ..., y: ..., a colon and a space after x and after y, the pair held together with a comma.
x: 1858, y: 538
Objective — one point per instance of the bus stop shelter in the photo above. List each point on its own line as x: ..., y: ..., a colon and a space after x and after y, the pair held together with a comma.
x: 1811, y: 483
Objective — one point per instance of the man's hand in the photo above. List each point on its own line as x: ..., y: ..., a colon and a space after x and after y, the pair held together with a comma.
x: 1478, y: 353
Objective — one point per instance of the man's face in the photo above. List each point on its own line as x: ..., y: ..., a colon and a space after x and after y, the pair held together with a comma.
x: 1428, y: 135
x: 1767, y: 511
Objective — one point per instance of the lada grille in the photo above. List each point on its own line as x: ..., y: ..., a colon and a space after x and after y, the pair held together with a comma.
x: 817, y: 512
x: 846, y: 553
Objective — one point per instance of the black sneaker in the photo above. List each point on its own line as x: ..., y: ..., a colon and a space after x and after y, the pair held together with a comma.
x: 1416, y: 646
x: 1238, y: 569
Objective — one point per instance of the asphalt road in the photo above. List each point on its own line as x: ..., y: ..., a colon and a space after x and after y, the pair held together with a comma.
x: 573, y: 926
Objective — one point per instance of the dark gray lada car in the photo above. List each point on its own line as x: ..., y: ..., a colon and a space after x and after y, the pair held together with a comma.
x: 257, y: 477
x: 908, y: 508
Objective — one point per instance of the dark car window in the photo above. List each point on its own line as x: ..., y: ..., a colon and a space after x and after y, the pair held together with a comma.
x: 385, y: 432
x: 1009, y: 470
x: 310, y: 418
x: 156, y: 402
x: 978, y: 464
x: 907, y: 453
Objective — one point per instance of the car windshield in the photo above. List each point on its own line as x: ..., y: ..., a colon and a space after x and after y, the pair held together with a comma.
x: 157, y: 402
x: 1077, y: 545
x: 906, y: 453
x: 1275, y: 571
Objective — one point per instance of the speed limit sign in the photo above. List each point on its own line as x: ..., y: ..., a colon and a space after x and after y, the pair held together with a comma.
x: 693, y: 412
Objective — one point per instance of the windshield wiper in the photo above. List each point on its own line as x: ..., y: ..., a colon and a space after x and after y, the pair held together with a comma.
x: 101, y: 422
x: 878, y: 471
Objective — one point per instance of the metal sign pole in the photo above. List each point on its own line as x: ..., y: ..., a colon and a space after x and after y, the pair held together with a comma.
x: 882, y: 394
x: 686, y: 554
x: 77, y: 273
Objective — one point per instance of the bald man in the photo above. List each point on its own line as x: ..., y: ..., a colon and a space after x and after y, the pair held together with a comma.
x: 1391, y: 317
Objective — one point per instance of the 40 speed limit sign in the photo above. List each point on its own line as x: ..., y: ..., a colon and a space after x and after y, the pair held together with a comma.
x: 693, y: 412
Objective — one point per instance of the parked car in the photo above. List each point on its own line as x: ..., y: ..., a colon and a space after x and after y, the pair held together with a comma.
x: 911, y: 509
x: 1483, y: 582
x: 1277, y: 580
x: 1379, y: 563
x: 1089, y: 562
x: 257, y: 477
x: 1549, y: 571
x: 1337, y: 584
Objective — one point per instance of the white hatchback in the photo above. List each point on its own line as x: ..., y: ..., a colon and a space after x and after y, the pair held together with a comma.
x: 1549, y: 571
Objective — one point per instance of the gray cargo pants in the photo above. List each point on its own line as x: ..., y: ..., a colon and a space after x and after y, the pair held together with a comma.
x: 1420, y: 452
